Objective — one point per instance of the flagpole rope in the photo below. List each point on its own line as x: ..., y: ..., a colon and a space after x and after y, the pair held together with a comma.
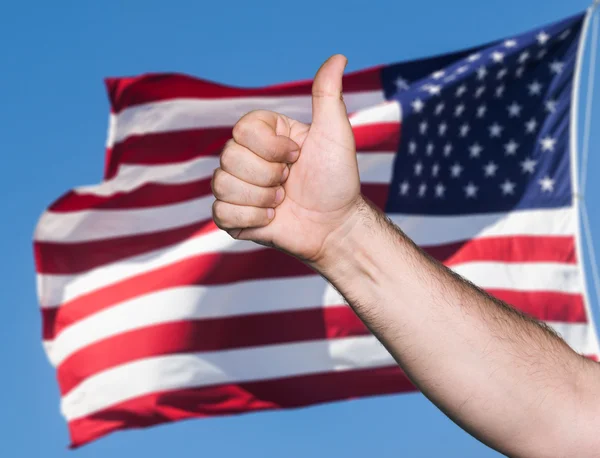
x: 589, y: 242
x: 588, y: 109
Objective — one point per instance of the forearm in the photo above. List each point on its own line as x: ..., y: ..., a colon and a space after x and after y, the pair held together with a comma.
x: 504, y: 377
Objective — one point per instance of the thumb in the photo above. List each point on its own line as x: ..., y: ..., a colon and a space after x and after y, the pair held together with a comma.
x: 327, y: 103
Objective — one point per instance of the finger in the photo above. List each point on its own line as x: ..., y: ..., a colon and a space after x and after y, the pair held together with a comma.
x: 327, y: 98
x: 229, y: 216
x: 230, y: 189
x: 242, y: 163
x: 265, y: 134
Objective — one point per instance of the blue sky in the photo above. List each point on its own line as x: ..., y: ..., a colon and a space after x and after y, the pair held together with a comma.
x: 53, y: 123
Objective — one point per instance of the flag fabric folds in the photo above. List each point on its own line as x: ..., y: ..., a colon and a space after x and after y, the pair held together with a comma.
x: 151, y: 314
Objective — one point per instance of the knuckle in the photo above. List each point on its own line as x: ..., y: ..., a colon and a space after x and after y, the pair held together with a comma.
x: 226, y: 159
x: 217, y: 184
x: 218, y: 214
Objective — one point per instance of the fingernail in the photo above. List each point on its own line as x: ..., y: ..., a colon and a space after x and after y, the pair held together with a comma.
x: 286, y: 172
x: 293, y: 156
x: 270, y: 213
x: 279, y: 196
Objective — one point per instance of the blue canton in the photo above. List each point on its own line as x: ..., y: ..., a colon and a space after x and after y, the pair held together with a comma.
x: 486, y: 129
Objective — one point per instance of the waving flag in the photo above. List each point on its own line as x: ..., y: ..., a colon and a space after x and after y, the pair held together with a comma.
x: 151, y: 314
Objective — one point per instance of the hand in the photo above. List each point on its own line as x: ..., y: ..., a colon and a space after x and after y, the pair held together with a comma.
x: 287, y: 184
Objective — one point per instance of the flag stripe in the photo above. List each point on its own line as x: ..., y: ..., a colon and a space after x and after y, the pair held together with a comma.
x: 135, y: 330
x: 138, y: 378
x: 82, y: 359
x: 289, y: 280
x: 181, y: 146
x: 189, y: 113
x: 56, y: 289
x: 143, y: 186
x: 229, y: 399
x: 127, y: 92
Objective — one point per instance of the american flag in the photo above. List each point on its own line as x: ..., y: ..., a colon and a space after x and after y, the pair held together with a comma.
x: 151, y: 314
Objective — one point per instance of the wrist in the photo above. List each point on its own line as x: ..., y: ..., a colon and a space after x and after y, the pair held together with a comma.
x: 341, y: 245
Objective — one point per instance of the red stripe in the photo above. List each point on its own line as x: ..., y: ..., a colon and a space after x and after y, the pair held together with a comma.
x: 209, y: 335
x: 148, y: 195
x: 77, y: 257
x: 224, y: 268
x: 180, y: 146
x: 157, y: 408
x: 127, y: 92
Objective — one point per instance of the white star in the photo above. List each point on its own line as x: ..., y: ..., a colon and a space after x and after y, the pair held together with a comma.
x: 523, y: 57
x: 449, y: 78
x: 404, y: 187
x: 547, y: 184
x: 535, y: 88
x: 551, y: 106
x: 542, y: 37
x: 497, y: 56
x: 442, y: 128
x: 541, y: 54
x: 490, y: 169
x: 439, y: 108
x: 401, y: 84
x: 464, y: 130
x: 422, y: 189
x: 548, y: 143
x: 531, y: 125
x: 514, y: 110
x: 496, y: 130
x: 461, y: 70
x: 433, y: 89
x: 438, y: 75
x: 418, y: 105
x: 418, y: 168
x: 435, y: 169
x: 519, y: 72
x: 556, y: 67
x: 481, y: 73
x: 440, y: 189
x: 510, y: 43
x: 473, y: 57
x: 471, y: 190
x: 423, y: 127
x: 459, y: 110
x: 456, y: 170
x: 476, y: 150
x: 429, y: 149
x: 508, y: 187
x: 447, y: 149
x: 564, y: 35
x: 511, y: 148
x: 412, y: 147
x: 528, y: 165
x: 481, y: 111
x: 502, y: 73
x: 461, y: 90
x: 500, y: 91
x: 480, y: 90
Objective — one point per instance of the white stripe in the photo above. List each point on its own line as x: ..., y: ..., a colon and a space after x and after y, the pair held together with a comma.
x: 182, y: 114
x: 55, y: 289
x: 373, y: 167
x: 183, y: 371
x: 204, y: 369
x: 382, y: 113
x: 251, y: 297
x: 98, y: 224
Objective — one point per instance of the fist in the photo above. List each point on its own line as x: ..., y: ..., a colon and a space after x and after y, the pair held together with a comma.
x: 287, y: 184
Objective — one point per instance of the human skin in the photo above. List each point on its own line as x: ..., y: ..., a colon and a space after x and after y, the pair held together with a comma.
x: 503, y: 377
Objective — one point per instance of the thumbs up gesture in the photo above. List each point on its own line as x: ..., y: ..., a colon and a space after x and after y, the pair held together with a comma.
x: 287, y: 184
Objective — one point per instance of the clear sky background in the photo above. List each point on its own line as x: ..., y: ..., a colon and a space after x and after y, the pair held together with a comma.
x: 53, y: 122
